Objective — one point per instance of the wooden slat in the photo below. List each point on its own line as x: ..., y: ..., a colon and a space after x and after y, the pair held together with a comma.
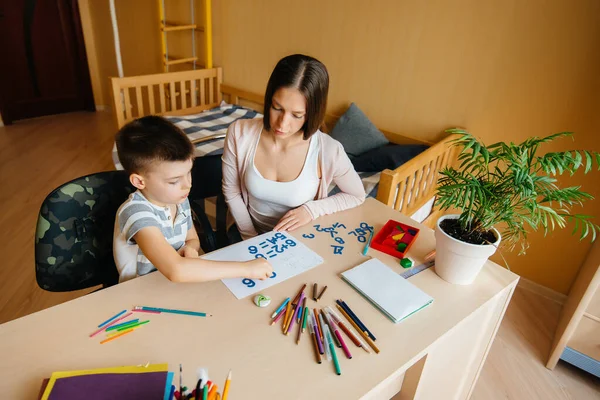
x: 139, y: 102
x: 174, y: 61
x: 402, y: 187
x: 151, y: 98
x: 127, y: 105
x: 161, y: 91
x: 219, y: 83
x: 201, y: 93
x: 211, y: 90
x: 173, y: 98
x: 119, y: 112
x: 183, y: 94
x: 176, y: 27
x: 193, y: 93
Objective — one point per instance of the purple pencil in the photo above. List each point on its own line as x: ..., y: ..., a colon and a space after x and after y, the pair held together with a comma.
x: 296, y: 311
x: 315, y: 327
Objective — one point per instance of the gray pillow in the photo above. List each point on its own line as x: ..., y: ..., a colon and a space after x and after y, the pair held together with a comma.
x: 356, y: 133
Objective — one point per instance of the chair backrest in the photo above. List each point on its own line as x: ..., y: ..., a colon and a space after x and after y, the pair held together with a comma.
x: 207, y: 176
x: 74, y: 235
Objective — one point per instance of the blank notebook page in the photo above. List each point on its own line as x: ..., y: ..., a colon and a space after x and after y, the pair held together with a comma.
x: 392, y: 294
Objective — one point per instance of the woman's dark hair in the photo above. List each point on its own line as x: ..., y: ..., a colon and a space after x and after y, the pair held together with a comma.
x: 310, y: 77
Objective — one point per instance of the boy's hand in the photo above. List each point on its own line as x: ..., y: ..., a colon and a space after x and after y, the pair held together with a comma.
x: 293, y: 219
x: 259, y: 269
x: 188, y: 251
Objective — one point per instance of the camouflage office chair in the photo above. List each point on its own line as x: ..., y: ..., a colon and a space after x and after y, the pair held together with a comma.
x: 74, y: 235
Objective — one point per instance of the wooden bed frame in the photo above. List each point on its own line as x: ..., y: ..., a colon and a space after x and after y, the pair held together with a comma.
x: 406, y: 189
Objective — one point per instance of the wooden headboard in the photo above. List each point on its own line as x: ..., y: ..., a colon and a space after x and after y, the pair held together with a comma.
x: 161, y: 94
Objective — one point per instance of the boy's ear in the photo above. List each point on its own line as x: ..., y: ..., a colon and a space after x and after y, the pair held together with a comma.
x: 137, y: 181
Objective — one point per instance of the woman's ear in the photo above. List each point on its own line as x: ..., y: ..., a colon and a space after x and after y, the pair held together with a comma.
x: 137, y: 181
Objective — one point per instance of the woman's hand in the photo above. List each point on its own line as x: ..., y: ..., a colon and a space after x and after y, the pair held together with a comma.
x: 293, y: 219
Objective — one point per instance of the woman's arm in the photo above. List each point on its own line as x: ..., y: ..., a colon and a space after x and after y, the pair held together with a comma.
x: 232, y: 189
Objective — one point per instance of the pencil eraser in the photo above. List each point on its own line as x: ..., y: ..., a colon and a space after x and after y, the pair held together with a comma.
x: 261, y: 300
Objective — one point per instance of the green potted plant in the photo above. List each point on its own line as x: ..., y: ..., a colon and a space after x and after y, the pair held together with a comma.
x: 504, y: 187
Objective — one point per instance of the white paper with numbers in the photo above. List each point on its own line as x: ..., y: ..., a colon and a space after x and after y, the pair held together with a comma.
x: 288, y: 256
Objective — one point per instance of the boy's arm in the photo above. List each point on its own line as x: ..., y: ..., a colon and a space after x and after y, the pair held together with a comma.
x: 182, y: 269
x: 191, y: 248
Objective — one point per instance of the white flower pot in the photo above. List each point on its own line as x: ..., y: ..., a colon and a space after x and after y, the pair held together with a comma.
x: 459, y: 262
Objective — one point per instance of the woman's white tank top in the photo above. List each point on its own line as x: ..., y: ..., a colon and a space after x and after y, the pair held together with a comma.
x: 269, y: 200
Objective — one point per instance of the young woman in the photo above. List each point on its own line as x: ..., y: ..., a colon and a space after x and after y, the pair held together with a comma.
x: 277, y: 170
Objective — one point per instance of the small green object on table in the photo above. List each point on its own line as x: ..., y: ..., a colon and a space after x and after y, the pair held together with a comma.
x: 406, y: 262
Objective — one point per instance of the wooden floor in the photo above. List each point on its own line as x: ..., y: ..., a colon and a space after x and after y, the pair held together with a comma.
x: 38, y: 155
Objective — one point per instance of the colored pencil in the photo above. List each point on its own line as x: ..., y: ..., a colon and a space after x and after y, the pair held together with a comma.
x: 314, y: 296
x: 289, y: 311
x: 295, y: 316
x: 347, y: 330
x: 320, y: 328
x: 111, y: 324
x: 111, y: 318
x: 212, y: 393
x: 301, y: 311
x: 311, y: 331
x: 306, y: 311
x: 116, y: 336
x: 321, y: 294
x: 226, y: 387
x: 316, y: 329
x: 429, y: 256
x: 281, y: 307
x: 325, y: 343
x: 172, y: 311
x: 147, y: 311
x: 337, y: 334
x: 278, y: 317
x: 366, y: 249
x: 295, y: 301
x: 329, y: 323
x: 117, y: 326
x: 133, y: 325
x: 356, y: 319
x: 299, y: 333
x: 336, y: 362
x: 363, y: 333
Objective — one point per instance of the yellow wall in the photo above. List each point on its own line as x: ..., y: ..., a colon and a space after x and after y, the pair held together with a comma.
x: 505, y: 69
x: 139, y: 37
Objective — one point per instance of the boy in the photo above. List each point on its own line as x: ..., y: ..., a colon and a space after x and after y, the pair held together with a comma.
x: 153, y: 228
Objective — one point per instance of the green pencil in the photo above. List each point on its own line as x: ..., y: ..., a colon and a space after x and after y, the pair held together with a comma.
x: 133, y: 325
x: 304, y: 318
x: 336, y: 363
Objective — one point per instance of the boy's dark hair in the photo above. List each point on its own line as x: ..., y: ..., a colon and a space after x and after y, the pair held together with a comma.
x: 149, y: 139
x: 310, y: 77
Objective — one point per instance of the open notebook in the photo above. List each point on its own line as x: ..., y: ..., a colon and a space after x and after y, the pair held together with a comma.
x: 392, y: 294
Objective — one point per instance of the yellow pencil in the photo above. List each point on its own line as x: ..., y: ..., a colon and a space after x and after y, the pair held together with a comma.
x: 116, y: 336
x: 287, y: 314
x: 226, y: 387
